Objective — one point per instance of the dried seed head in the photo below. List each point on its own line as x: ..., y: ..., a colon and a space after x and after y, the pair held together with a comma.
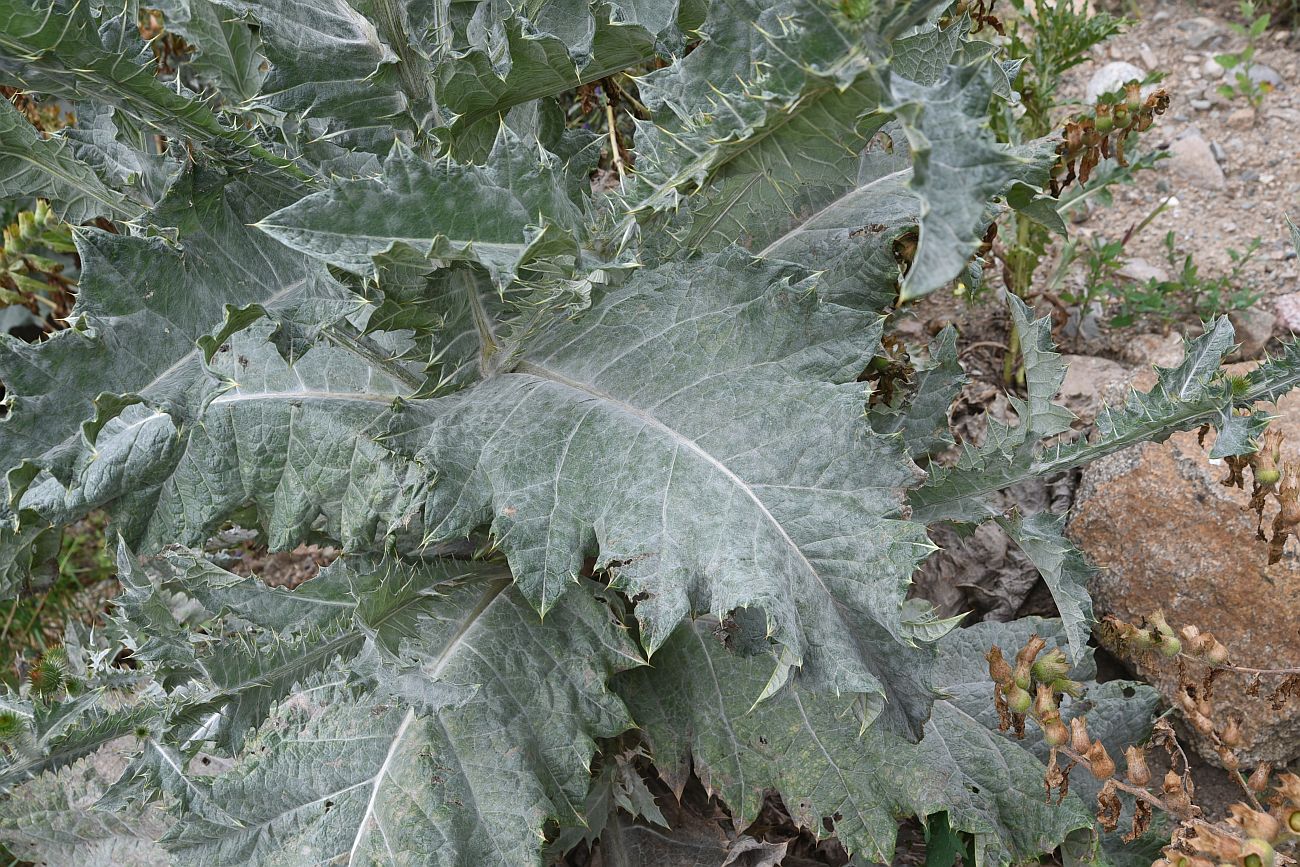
x: 1176, y: 794
x: 1100, y: 762
x: 1055, y: 733
x: 999, y: 670
x: 1258, y: 781
x: 1217, y: 654
x: 1133, y: 96
x: 1288, y: 788
x: 1211, y: 841
x: 1045, y: 703
x: 1080, y: 742
x: 1135, y: 759
x: 1254, y: 823
x: 1232, y: 735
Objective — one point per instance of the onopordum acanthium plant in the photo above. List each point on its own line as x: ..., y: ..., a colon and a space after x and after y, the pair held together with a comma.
x: 611, y: 477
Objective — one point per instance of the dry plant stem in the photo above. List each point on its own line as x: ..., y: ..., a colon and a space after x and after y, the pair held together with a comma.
x: 1254, y: 800
x: 1242, y: 669
x: 983, y: 344
x: 613, y: 140
x: 1145, y: 795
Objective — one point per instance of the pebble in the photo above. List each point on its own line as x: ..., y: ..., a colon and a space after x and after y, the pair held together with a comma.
x: 1111, y: 77
x: 1242, y: 117
x: 1212, y: 69
x: 1201, y: 104
x: 1191, y: 159
x: 1220, y: 155
x: 1148, y: 57
x: 1261, y: 74
x: 1200, y: 32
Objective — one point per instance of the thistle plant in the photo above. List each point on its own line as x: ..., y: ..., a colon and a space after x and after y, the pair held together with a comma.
x: 619, y: 480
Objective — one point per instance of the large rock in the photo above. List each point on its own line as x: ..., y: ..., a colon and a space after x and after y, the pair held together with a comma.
x: 1192, y: 159
x: 1169, y: 535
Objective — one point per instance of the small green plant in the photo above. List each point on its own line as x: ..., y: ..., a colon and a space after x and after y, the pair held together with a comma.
x: 30, y: 276
x: 76, y: 588
x: 1240, y: 63
x: 1188, y: 293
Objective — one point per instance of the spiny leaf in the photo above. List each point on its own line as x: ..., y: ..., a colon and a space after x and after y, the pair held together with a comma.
x: 693, y: 704
x: 504, y: 730
x: 55, y: 50
x: 500, y: 216
x: 142, y: 305
x: 803, y: 527
x: 34, y: 166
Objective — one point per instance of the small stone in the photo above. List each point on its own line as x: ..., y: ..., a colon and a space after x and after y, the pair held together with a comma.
x: 1249, y: 176
x: 1212, y: 69
x: 1288, y: 311
x: 1192, y: 159
x: 1241, y: 118
x: 1146, y: 350
x: 1254, y: 327
x: 1162, y: 15
x: 1141, y: 271
x: 1286, y: 115
x: 1201, y: 32
x: 1148, y: 57
x: 1201, y: 104
x: 1261, y: 74
x: 1112, y: 77
x: 1220, y: 155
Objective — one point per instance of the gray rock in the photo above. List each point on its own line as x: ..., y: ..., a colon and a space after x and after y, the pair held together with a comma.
x: 1090, y: 383
x: 1147, y: 350
x: 1140, y: 271
x: 1148, y: 57
x: 1111, y: 77
x: 1254, y: 327
x: 1201, y: 32
x: 1261, y: 74
x: 1192, y: 160
x: 1220, y: 155
x: 1212, y: 69
x: 1201, y: 104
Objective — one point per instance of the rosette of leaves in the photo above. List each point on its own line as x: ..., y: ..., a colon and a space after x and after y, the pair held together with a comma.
x: 586, y: 455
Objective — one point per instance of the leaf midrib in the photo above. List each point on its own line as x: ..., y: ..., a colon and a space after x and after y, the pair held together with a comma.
x: 528, y: 368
